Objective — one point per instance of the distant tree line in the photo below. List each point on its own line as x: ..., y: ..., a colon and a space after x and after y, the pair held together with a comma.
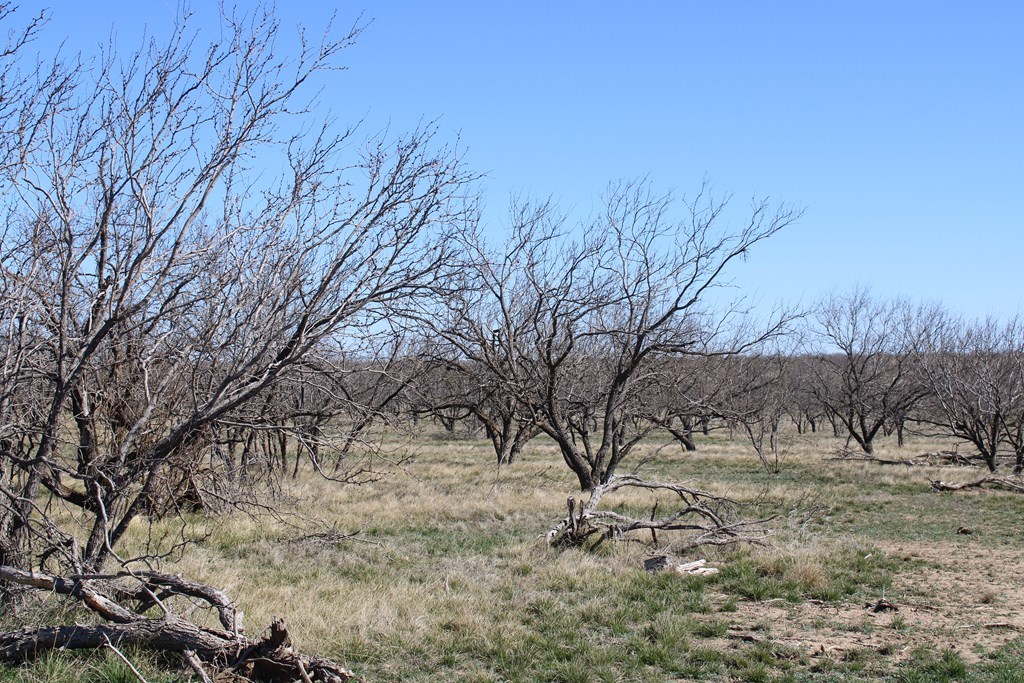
x: 181, y: 324
x: 855, y: 365
x: 205, y: 289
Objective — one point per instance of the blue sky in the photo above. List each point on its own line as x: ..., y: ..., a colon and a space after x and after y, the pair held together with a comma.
x: 898, y: 125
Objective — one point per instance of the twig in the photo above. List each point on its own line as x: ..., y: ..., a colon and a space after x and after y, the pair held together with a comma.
x: 302, y: 672
x: 124, y: 659
x: 330, y: 538
x: 193, y: 662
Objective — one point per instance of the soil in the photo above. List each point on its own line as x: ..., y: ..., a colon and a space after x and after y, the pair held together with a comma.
x: 958, y: 595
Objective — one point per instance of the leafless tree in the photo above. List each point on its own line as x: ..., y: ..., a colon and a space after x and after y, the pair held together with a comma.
x: 688, y: 396
x: 757, y: 403
x: 975, y: 376
x: 800, y: 402
x: 862, y: 363
x: 156, y: 282
x: 451, y: 389
x: 320, y: 413
x: 576, y: 326
x: 183, y: 243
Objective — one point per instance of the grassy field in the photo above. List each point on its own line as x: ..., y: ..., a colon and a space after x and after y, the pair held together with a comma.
x: 448, y: 579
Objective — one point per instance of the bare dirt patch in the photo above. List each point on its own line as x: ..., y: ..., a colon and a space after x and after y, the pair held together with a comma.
x: 961, y: 596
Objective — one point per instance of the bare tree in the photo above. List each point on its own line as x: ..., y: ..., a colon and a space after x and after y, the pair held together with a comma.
x: 800, y: 402
x: 451, y: 389
x: 322, y: 412
x: 575, y: 327
x: 156, y: 283
x: 862, y: 363
x: 181, y: 243
x: 757, y: 404
x: 687, y: 397
x: 975, y: 376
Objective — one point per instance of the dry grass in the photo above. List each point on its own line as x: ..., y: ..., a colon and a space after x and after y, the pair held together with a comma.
x: 448, y: 580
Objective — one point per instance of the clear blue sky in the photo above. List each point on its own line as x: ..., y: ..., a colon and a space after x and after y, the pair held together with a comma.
x: 898, y: 125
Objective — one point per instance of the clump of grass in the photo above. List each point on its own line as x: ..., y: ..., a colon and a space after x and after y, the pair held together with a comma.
x: 925, y: 667
x: 94, y: 667
x: 712, y: 628
x: 806, y: 573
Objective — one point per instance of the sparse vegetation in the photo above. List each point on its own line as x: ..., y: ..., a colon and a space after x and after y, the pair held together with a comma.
x: 447, y: 579
x: 232, y: 351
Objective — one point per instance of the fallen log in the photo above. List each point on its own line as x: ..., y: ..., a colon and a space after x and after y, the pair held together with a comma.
x: 270, y: 658
x: 952, y: 459
x: 846, y: 455
x: 935, y: 459
x: 1013, y: 484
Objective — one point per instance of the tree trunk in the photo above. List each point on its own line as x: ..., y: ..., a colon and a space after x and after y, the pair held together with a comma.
x: 271, y: 659
x: 684, y: 437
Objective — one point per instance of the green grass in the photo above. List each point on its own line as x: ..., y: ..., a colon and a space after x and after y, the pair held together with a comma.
x: 450, y: 582
x: 100, y: 667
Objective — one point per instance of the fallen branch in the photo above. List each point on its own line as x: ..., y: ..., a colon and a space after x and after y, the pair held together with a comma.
x: 702, y: 515
x: 745, y: 636
x: 881, y: 605
x: 952, y: 459
x: 328, y: 539
x: 846, y: 455
x: 271, y: 658
x: 1013, y: 484
x: 936, y: 459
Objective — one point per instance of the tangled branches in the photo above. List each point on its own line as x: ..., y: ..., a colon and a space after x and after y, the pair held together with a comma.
x: 122, y: 599
x: 704, y: 516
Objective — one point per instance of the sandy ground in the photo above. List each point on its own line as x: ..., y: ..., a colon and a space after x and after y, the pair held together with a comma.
x: 958, y: 595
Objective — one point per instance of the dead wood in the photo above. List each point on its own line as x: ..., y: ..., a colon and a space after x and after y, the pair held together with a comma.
x: 704, y: 518
x: 930, y: 459
x: 270, y: 658
x: 196, y: 665
x: 745, y: 636
x: 951, y: 459
x: 327, y: 540
x: 881, y: 605
x: 663, y: 563
x: 1013, y: 484
x: 844, y: 454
